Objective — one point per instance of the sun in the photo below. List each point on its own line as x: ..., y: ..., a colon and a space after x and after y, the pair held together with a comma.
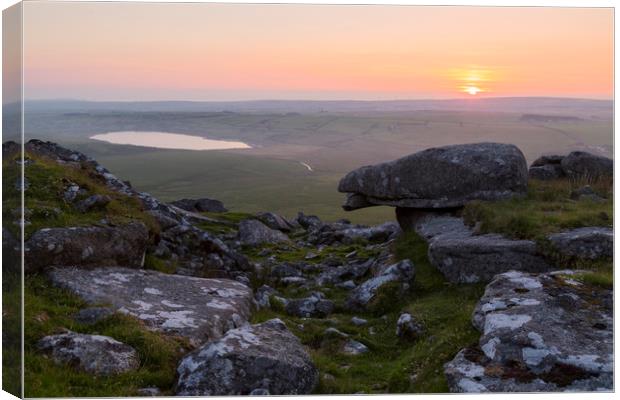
x: 472, y: 90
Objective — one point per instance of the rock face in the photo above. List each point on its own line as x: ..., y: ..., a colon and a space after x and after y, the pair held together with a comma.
x: 402, y: 272
x: 582, y: 164
x: 99, y: 355
x: 578, y: 164
x: 264, y: 356
x: 196, y: 308
x: 87, y: 246
x: 589, y: 243
x: 463, y: 257
x: 200, y: 205
x: 540, y: 332
x: 441, y: 177
x: 254, y: 233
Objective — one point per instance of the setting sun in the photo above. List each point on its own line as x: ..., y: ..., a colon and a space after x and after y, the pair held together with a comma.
x: 473, y: 90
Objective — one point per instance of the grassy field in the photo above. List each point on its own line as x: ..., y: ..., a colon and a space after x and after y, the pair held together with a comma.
x: 270, y: 176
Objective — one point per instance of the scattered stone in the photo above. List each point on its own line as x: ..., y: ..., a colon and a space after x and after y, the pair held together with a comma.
x: 358, y: 321
x: 540, y: 332
x: 441, y: 177
x: 402, y: 272
x: 87, y: 246
x: 149, y: 392
x: 275, y: 221
x: 95, y: 354
x: 71, y: 193
x: 586, y: 193
x: 93, y: 202
x: 308, y: 222
x: 254, y: 233
x: 587, y: 243
x: 263, y: 356
x: 314, y: 306
x: 263, y: 294
x: 348, y: 285
x: 196, y: 308
x: 334, y: 332
x: 408, y: 328
x: 92, y: 315
x: 200, y: 205
x: 354, y: 348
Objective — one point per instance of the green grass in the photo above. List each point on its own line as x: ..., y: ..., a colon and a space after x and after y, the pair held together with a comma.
x: 49, y: 310
x: 547, y: 208
x: 393, y: 365
x: 46, y: 207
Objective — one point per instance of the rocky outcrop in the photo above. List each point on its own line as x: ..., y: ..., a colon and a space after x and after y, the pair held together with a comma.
x: 266, y: 357
x: 195, y: 308
x: 589, y: 243
x: 95, y: 354
x: 540, y: 332
x: 313, y: 306
x: 576, y: 165
x: 441, y: 177
x: 254, y: 233
x: 93, y: 246
x: 200, y: 205
x: 362, y: 296
x: 463, y: 257
x: 275, y: 221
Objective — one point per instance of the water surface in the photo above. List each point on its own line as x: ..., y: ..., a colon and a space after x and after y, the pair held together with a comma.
x: 164, y: 140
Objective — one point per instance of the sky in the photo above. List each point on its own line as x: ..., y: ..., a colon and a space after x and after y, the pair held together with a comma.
x: 198, y: 51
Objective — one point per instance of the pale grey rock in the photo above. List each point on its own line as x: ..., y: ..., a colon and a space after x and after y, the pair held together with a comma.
x: 441, y: 177
x: 149, y: 392
x: 313, y: 306
x: 95, y: 354
x: 402, y: 272
x: 275, y: 221
x: 264, y: 356
x: 354, y: 348
x: 196, y: 308
x: 358, y: 321
x: 589, y: 243
x: 540, y: 332
x: 254, y: 233
x: 408, y: 328
x: 92, y: 246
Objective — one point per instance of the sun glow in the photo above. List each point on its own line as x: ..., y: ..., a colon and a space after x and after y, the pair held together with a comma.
x: 473, y: 90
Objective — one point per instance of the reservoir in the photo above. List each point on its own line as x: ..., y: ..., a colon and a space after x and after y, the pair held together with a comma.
x: 164, y: 140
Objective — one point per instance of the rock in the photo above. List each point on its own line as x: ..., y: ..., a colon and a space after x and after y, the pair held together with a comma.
x: 165, y: 222
x: 254, y: 233
x: 260, y: 392
x: 463, y: 257
x: 308, y: 222
x: 93, y: 202
x: 92, y: 315
x: 285, y: 270
x: 586, y: 193
x: 546, y: 172
x: 263, y: 295
x: 263, y: 356
x: 71, y: 193
x: 348, y: 285
x: 376, y: 234
x: 402, y: 272
x: 335, y: 333
x: 580, y: 164
x: 408, y: 328
x: 87, y: 246
x: 149, y: 392
x: 196, y: 308
x: 358, y: 321
x: 274, y: 221
x: 552, y: 159
x: 95, y: 354
x: 441, y: 177
x: 354, y: 348
x: 314, y: 306
x: 589, y: 243
x: 540, y: 332
x: 200, y: 205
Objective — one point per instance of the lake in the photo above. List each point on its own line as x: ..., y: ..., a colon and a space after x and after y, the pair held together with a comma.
x: 165, y: 140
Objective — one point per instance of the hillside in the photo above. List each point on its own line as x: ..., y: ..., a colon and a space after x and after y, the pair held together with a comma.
x: 194, y: 293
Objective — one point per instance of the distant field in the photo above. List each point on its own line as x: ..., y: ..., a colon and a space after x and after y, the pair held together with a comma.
x: 271, y: 177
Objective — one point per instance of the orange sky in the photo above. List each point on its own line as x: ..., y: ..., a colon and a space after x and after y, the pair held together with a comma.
x: 175, y: 51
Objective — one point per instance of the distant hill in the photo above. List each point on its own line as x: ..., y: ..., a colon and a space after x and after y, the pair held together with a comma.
x: 547, y: 105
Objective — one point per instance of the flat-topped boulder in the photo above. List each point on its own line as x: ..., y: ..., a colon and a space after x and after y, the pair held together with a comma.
x: 576, y: 165
x: 590, y: 243
x: 463, y: 257
x: 265, y: 357
x: 441, y: 177
x: 196, y: 308
x: 540, y: 332
x: 90, y: 246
